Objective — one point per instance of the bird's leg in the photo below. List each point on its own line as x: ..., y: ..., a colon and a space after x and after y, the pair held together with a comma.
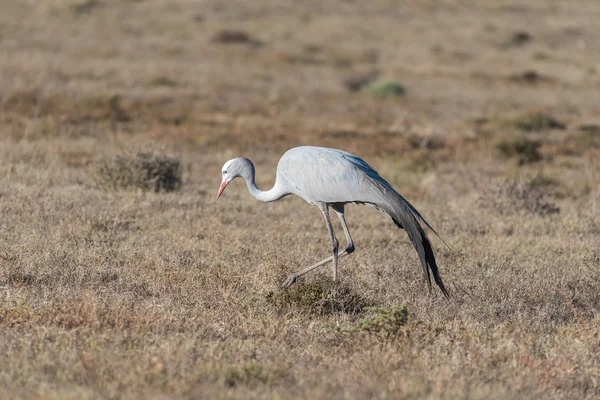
x: 339, y: 210
x: 294, y: 277
x: 334, y: 242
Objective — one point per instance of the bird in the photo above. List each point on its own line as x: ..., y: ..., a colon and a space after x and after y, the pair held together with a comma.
x: 331, y: 178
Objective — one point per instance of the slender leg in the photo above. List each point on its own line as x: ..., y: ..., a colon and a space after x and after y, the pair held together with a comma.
x: 334, y: 242
x: 294, y: 277
x: 334, y: 257
x: 339, y: 210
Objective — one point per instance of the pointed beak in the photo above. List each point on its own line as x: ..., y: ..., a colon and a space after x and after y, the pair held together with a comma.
x: 221, y: 188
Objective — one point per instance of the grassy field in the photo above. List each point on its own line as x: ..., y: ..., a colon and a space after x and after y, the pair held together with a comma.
x: 117, y: 284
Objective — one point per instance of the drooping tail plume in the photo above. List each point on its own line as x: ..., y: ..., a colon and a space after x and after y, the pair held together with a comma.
x: 404, y: 217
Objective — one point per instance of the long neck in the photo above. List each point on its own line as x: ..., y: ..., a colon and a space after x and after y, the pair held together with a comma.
x: 274, y: 194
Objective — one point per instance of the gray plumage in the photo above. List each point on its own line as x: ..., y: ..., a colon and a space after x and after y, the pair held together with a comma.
x: 332, y: 178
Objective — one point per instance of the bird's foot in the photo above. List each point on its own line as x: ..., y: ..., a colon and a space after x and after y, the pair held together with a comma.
x: 289, y: 281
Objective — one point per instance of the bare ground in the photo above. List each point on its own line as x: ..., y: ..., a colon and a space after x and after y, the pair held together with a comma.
x: 116, y: 291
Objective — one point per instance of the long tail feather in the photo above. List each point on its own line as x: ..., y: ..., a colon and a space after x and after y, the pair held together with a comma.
x: 419, y: 217
x: 374, y: 191
x: 430, y: 259
x: 420, y: 241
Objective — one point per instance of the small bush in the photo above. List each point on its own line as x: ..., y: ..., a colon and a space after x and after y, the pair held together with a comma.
x: 537, y: 122
x: 530, y: 77
x: 384, y: 88
x: 249, y: 374
x: 386, y: 323
x: 517, y: 39
x: 514, y: 197
x: 163, y: 81
x: 18, y: 278
x: 542, y: 181
x: 320, y: 297
x: 592, y: 129
x: 527, y: 122
x: 235, y: 37
x: 526, y: 150
x: 358, y: 82
x: 527, y: 197
x: 85, y: 7
x: 144, y: 171
x: 15, y: 312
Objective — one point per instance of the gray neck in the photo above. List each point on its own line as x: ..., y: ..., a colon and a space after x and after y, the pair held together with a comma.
x: 264, y: 195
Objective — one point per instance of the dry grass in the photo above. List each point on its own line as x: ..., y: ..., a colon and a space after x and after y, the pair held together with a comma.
x: 158, y: 294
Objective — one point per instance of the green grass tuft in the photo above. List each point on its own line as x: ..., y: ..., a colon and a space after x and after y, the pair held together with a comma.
x: 384, y: 88
x: 386, y: 322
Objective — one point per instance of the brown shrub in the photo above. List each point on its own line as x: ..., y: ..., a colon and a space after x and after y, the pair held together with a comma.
x: 144, y: 171
x: 514, y: 197
x: 527, y: 151
x: 321, y: 296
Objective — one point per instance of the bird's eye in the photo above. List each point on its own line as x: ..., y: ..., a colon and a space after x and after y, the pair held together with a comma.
x: 224, y: 172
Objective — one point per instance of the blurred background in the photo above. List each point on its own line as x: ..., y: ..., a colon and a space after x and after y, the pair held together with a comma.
x: 241, y: 74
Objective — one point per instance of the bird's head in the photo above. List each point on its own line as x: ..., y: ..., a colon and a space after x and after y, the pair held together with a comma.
x: 234, y: 168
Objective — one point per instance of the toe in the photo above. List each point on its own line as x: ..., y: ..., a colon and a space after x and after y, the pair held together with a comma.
x: 289, y: 281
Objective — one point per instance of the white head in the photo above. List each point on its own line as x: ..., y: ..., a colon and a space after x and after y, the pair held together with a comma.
x: 234, y: 168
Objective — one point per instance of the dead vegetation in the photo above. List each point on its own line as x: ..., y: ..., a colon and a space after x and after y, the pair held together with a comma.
x: 526, y: 122
x: 84, y: 7
x: 525, y: 150
x: 320, y: 297
x: 521, y: 197
x: 356, y: 82
x: 143, y: 171
x: 537, y: 122
x: 141, y: 285
x: 235, y: 37
x: 518, y: 39
x: 385, y: 322
x: 530, y: 77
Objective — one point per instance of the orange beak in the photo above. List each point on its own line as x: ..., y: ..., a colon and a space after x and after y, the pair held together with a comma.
x: 221, y: 188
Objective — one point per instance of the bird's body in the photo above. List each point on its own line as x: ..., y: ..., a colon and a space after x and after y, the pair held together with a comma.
x: 332, y: 178
x: 319, y: 174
